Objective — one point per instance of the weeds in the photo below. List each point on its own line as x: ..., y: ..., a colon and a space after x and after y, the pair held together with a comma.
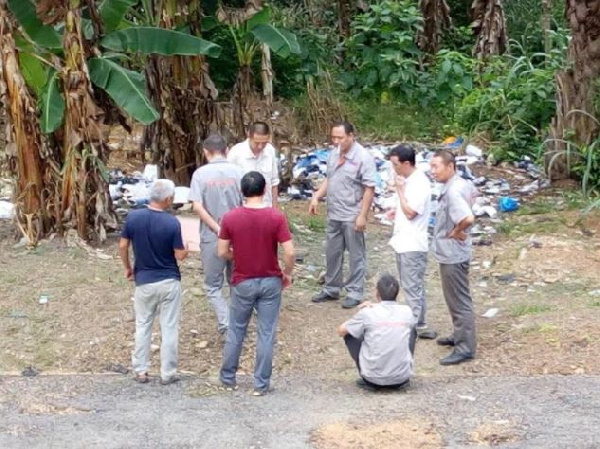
x: 518, y: 310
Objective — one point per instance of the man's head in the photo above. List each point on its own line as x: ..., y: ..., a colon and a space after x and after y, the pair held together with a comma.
x: 214, y: 145
x: 253, y: 184
x: 259, y: 136
x: 443, y: 166
x: 402, y: 158
x: 342, y: 135
x: 387, y: 288
x: 162, y: 193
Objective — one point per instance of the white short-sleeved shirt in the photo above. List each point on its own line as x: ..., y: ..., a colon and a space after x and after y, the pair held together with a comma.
x: 385, y: 357
x: 412, y: 235
x: 265, y: 163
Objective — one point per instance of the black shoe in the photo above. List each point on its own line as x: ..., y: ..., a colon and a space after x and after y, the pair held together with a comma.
x: 445, y: 341
x: 427, y: 334
x: 323, y: 297
x: 361, y: 383
x: 350, y: 303
x: 455, y: 358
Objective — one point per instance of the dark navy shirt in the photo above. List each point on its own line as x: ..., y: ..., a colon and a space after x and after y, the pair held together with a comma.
x: 154, y: 236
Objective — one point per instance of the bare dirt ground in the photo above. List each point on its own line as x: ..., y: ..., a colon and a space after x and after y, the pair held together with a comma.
x: 540, y: 272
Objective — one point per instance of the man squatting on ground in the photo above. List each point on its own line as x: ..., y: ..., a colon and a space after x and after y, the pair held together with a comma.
x: 257, y: 154
x: 410, y: 235
x: 250, y: 236
x: 215, y: 190
x: 381, y: 339
x: 452, y: 249
x: 155, y: 236
x: 350, y: 188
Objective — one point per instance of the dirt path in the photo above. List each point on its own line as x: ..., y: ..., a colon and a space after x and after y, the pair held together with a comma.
x: 454, y: 412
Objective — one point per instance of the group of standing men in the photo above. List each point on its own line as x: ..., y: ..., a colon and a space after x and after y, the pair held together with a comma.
x: 235, y: 196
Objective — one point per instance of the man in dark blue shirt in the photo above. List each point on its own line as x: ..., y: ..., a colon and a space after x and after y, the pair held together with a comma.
x: 157, y: 246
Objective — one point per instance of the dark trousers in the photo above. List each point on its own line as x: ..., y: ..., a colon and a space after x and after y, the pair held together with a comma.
x: 354, y: 344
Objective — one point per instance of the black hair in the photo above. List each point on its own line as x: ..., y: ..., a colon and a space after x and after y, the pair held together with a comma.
x: 260, y: 128
x: 348, y: 127
x: 447, y: 157
x: 214, y: 143
x: 253, y: 184
x: 388, y: 287
x: 404, y: 152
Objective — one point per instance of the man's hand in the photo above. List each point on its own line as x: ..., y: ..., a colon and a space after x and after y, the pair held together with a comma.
x: 361, y: 223
x: 129, y: 274
x: 313, y: 206
x: 286, y: 281
x: 400, y: 183
x: 457, y: 235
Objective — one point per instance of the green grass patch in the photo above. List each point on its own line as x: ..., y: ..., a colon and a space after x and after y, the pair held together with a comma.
x: 518, y: 310
x: 595, y: 303
x: 317, y: 223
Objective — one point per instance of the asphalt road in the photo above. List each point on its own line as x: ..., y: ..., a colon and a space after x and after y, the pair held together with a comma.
x: 114, y: 412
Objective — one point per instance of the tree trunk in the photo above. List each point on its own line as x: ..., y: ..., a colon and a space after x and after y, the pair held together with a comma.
x: 436, y: 15
x: 546, y: 23
x: 489, y: 27
x: 267, y: 77
x: 85, y: 200
x: 242, y: 94
x: 186, y: 98
x: 344, y: 8
x: 24, y: 138
x: 576, y: 88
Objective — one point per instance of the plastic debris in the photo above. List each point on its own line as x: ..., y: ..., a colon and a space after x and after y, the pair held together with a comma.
x: 491, y: 313
x: 472, y: 150
x: 7, y: 210
x: 508, y: 204
x: 44, y: 298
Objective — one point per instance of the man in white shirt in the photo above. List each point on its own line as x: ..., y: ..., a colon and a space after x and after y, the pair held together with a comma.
x: 257, y: 154
x: 381, y: 339
x: 410, y: 237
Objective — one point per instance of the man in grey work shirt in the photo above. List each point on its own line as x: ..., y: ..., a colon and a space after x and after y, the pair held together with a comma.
x: 452, y: 249
x: 350, y: 188
x: 215, y: 190
x: 381, y: 339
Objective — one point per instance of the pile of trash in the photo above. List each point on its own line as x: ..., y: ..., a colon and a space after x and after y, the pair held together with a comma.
x: 7, y: 208
x: 132, y: 191
x: 496, y: 195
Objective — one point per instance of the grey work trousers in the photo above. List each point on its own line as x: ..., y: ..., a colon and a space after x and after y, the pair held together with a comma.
x: 341, y: 236
x: 411, y: 271
x: 264, y: 296
x: 150, y: 299
x: 455, y: 285
x: 215, y: 270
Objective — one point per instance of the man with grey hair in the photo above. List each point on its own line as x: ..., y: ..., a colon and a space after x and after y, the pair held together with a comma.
x: 215, y: 190
x: 155, y: 236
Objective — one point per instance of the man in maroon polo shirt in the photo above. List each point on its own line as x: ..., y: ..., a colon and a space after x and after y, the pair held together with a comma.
x: 250, y: 236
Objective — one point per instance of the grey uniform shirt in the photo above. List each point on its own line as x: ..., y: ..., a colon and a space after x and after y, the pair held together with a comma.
x: 217, y: 186
x: 454, y: 204
x: 346, y: 183
x: 385, y: 357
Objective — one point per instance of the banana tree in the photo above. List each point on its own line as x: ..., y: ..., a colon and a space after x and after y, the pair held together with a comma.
x: 69, y: 61
x: 252, y: 32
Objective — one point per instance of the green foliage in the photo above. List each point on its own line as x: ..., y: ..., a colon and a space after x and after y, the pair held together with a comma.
x: 153, y: 40
x: 382, y: 56
x: 127, y: 88
x: 41, y: 34
x: 112, y: 12
x: 513, y: 101
x: 52, y: 106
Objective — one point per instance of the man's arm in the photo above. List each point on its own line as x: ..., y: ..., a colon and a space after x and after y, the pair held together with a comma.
x: 314, y: 202
x: 361, y: 220
x: 458, y: 232
x: 275, y: 196
x: 342, y: 330
x: 206, y: 217
x: 401, y: 191
x: 181, y: 254
x: 289, y: 259
x: 224, y: 249
x: 124, y: 254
